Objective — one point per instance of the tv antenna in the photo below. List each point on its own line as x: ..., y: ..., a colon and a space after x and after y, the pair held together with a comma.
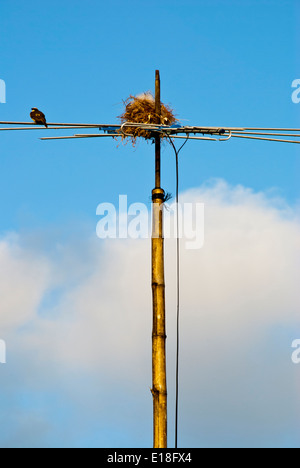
x: 158, y: 131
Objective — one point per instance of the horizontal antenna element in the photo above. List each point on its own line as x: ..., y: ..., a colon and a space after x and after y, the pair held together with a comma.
x: 289, y: 135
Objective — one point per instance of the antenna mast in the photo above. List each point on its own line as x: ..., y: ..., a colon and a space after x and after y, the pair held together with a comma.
x: 159, y: 379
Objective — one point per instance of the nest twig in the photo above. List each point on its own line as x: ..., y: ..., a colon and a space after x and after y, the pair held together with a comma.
x: 141, y: 109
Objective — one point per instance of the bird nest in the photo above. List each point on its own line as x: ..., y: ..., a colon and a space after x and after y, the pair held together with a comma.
x: 141, y: 110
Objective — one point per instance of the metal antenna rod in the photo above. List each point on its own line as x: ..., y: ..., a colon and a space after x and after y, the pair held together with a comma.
x: 56, y: 124
x: 159, y: 378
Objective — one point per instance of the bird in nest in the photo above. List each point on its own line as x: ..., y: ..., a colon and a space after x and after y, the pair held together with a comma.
x: 38, y: 117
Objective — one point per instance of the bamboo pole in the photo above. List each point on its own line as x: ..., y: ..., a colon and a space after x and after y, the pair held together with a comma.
x: 159, y: 388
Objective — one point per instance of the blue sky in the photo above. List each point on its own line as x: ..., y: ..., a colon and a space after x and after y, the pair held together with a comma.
x: 222, y: 63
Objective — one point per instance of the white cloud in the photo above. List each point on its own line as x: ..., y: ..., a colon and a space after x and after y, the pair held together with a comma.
x: 24, y: 279
x: 239, y: 315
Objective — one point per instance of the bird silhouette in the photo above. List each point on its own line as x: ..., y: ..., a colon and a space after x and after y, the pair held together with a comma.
x: 38, y: 117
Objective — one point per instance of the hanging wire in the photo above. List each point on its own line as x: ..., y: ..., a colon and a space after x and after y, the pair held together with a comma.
x: 177, y: 286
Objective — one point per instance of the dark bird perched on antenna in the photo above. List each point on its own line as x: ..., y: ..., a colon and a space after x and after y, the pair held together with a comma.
x: 38, y: 117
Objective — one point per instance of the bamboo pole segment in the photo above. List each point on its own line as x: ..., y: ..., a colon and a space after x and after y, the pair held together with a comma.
x: 159, y: 379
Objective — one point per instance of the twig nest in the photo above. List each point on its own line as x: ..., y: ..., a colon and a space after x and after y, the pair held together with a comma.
x: 141, y: 109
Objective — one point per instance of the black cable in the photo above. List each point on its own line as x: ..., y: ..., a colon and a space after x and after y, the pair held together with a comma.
x: 178, y: 287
